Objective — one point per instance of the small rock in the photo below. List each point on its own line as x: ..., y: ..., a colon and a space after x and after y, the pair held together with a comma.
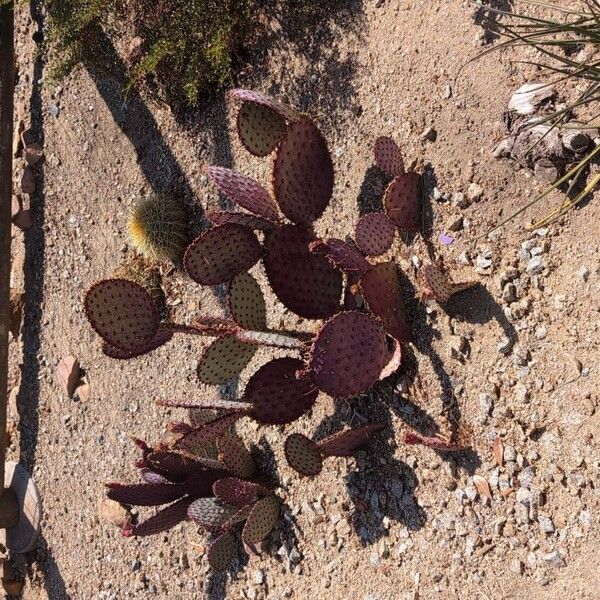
x: 546, y: 524
x: 584, y: 273
x: 504, y: 345
x: 474, y: 192
x: 535, y: 265
x: 509, y: 293
x: 520, y: 356
x: 516, y: 566
x: 510, y: 454
x: 554, y: 559
x: 429, y: 133
x: 259, y: 577
x: 113, y: 512
x: 483, y: 263
x: 455, y: 223
x: 459, y: 200
x: 521, y: 393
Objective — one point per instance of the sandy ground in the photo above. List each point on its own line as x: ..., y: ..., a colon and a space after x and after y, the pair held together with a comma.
x: 397, y: 522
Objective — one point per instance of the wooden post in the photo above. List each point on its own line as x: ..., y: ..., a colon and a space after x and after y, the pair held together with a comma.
x: 9, y: 511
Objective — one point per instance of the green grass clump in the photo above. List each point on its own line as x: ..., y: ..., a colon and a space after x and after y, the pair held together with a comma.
x: 187, y: 46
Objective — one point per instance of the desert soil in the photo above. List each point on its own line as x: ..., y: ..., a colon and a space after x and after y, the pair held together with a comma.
x: 515, y: 358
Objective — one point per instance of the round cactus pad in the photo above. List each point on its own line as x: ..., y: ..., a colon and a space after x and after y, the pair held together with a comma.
x: 375, y: 234
x: 277, y: 394
x: 261, y: 520
x: 219, y: 254
x: 305, y: 282
x: 388, y: 156
x: 236, y: 491
x: 303, y: 455
x: 211, y: 513
x: 345, y: 443
x: 160, y: 339
x: 402, y: 201
x: 247, y: 303
x: 200, y: 436
x: 348, y: 354
x: 221, y: 552
x: 122, y: 313
x: 380, y: 288
x: 222, y: 217
x: 303, y: 173
x: 260, y: 129
x: 224, y: 359
x: 245, y: 191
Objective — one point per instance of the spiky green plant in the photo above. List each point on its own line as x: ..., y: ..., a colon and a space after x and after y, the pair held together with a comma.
x: 158, y: 227
x: 567, y: 38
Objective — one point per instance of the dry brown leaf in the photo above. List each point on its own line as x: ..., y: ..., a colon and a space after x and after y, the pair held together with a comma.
x: 506, y: 492
x: 22, y: 220
x: 483, y: 487
x: 15, y: 205
x: 68, y: 374
x: 498, y: 449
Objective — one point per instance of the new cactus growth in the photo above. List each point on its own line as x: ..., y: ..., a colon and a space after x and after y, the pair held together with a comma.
x: 206, y: 484
x: 158, y: 227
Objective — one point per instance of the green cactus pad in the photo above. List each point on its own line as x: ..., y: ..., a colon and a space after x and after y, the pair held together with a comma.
x: 123, y: 314
x: 211, y: 513
x: 260, y: 129
x: 245, y: 191
x: 221, y: 552
x: 247, y: 303
x: 303, y: 173
x: 234, y: 455
x: 402, y: 201
x: 277, y: 395
x: 220, y: 253
x: 303, y: 455
x: 345, y: 443
x: 224, y: 359
x: 380, y: 288
x: 261, y: 520
x: 348, y: 354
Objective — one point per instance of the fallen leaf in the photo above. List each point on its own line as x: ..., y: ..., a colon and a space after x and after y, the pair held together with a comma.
x: 498, y: 450
x: 17, y: 140
x: 17, y: 300
x: 27, y: 180
x: 507, y: 491
x: 15, y: 206
x: 28, y: 137
x: 33, y: 153
x: 114, y: 512
x: 483, y: 487
x: 68, y: 374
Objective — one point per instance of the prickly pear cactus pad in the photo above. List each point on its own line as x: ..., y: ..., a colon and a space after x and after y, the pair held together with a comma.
x: 224, y: 359
x: 374, y: 234
x: 221, y: 552
x: 261, y: 520
x: 277, y: 394
x: 211, y: 513
x: 234, y: 455
x: 220, y: 253
x: 345, y: 443
x: 245, y: 191
x: 303, y: 455
x: 305, y: 282
x: 160, y: 339
x: 341, y: 255
x: 247, y: 303
x: 402, y: 201
x: 222, y: 217
x: 165, y: 519
x: 348, y: 354
x: 122, y: 313
x: 380, y: 288
x: 236, y: 491
x: 388, y: 157
x: 303, y: 173
x: 254, y: 97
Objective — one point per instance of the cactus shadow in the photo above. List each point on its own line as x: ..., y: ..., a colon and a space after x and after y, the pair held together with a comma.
x: 381, y: 487
x: 430, y: 182
x: 372, y: 188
